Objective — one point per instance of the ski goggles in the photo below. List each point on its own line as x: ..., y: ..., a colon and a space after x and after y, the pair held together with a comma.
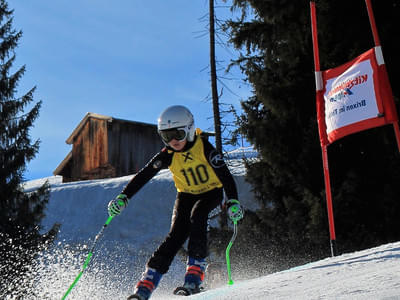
x: 178, y: 134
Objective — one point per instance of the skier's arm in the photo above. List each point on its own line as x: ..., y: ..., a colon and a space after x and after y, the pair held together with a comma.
x: 216, y: 160
x: 158, y: 162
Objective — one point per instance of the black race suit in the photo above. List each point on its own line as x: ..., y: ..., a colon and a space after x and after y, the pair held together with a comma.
x: 192, y: 207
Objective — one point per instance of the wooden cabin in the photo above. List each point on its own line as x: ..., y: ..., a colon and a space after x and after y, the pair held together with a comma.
x: 105, y: 147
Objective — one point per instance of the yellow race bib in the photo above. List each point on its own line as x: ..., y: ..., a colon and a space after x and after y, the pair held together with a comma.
x: 191, y: 171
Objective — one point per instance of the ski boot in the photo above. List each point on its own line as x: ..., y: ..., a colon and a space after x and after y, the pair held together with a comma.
x: 146, y: 285
x: 188, y: 289
x: 136, y: 296
x: 193, y: 278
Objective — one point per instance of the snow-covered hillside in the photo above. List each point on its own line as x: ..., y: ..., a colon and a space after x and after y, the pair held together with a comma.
x: 372, y: 274
x: 130, y: 238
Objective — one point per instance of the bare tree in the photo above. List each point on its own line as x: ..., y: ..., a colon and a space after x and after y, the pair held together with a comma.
x: 213, y: 72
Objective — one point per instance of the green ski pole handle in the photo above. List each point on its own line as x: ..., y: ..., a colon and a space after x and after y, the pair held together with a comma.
x: 228, y: 249
x: 88, y: 258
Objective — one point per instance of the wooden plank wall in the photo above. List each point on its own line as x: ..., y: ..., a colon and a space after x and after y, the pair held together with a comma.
x: 90, y: 153
x: 104, y: 149
x: 132, y: 145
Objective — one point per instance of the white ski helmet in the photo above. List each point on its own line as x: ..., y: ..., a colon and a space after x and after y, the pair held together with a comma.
x: 176, y: 117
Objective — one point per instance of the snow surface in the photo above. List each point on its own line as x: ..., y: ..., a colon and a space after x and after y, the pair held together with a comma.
x: 121, y: 253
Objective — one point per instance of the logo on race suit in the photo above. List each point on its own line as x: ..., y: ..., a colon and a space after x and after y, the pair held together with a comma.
x: 216, y: 159
x: 157, y: 164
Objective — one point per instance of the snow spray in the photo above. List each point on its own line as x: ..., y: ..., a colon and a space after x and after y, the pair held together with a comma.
x: 87, y: 261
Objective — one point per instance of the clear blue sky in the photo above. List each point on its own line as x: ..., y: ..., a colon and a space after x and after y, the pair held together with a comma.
x: 127, y: 59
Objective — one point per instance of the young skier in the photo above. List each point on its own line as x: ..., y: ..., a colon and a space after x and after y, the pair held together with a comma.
x: 200, y: 176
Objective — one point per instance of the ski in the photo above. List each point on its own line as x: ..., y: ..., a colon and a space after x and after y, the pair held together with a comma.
x: 182, y: 291
x: 135, y: 297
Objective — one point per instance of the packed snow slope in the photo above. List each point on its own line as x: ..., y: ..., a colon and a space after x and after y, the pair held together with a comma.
x: 120, y: 255
x: 370, y: 274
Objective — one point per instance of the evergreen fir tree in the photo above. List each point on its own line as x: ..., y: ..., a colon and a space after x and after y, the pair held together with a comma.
x: 280, y: 121
x: 20, y: 212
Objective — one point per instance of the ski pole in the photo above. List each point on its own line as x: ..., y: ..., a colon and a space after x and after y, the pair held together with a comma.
x: 88, y: 258
x: 228, y: 262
